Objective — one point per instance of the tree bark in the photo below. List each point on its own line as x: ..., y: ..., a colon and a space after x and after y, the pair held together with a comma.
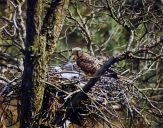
x: 53, y: 23
x: 40, y: 44
x: 32, y: 88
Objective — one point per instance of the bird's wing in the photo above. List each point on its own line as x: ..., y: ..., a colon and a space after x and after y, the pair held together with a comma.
x: 88, y: 64
x: 89, y: 59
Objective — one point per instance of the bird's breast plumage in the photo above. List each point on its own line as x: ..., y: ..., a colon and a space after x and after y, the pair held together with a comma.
x: 87, y: 63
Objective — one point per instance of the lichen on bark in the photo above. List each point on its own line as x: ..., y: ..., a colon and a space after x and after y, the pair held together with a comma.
x: 36, y: 53
x: 53, y: 23
x: 34, y: 65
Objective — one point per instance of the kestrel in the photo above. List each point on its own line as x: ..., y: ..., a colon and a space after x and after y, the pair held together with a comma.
x: 90, y: 64
x: 85, y: 62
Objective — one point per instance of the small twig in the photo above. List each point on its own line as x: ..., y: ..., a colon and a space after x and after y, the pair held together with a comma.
x: 77, y: 98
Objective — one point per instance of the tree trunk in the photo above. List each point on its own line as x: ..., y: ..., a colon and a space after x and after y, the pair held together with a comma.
x: 34, y: 66
x: 38, y: 48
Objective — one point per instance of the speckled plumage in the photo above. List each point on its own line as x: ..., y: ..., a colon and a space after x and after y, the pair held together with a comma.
x: 85, y: 62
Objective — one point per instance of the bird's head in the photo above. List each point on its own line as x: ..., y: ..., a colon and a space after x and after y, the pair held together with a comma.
x: 76, y: 52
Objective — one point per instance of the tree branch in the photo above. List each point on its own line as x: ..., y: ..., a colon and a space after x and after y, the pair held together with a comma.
x: 53, y: 22
x: 70, y: 106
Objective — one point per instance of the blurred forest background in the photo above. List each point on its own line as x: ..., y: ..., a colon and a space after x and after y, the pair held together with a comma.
x: 131, y: 30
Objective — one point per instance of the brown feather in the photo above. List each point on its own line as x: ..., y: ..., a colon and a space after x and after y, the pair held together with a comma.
x: 85, y: 62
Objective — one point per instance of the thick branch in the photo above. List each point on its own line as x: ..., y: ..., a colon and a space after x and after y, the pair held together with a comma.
x: 71, y: 104
x: 77, y: 98
x: 53, y: 23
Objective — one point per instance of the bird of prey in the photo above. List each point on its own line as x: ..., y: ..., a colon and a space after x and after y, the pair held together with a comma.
x: 90, y: 64
x: 85, y: 62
